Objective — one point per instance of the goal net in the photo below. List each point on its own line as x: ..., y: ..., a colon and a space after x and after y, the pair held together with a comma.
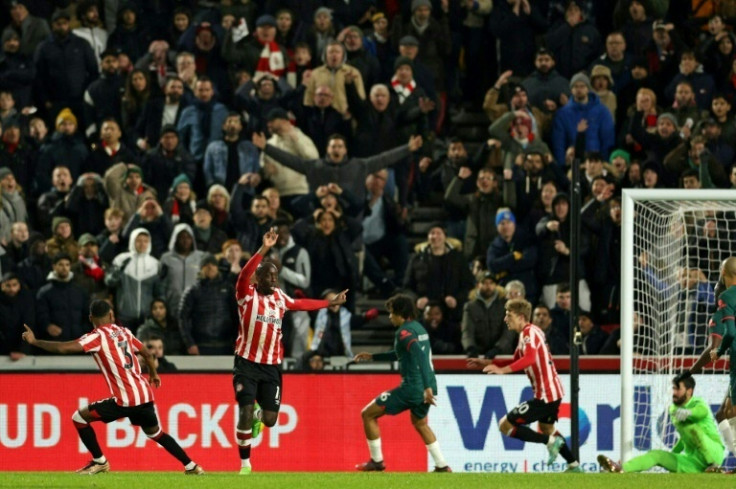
x: 673, y: 244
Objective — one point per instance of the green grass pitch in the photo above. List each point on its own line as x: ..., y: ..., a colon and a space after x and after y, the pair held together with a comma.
x: 338, y: 480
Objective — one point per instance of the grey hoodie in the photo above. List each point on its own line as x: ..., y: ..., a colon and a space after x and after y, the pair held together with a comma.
x: 179, y: 272
x: 136, y: 279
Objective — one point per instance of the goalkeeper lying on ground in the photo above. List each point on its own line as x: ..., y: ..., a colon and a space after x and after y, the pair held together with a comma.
x: 699, y: 449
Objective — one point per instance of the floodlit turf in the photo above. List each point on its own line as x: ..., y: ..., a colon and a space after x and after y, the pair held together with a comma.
x: 337, y: 480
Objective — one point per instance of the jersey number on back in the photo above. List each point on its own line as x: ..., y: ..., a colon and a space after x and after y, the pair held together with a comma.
x: 123, y: 345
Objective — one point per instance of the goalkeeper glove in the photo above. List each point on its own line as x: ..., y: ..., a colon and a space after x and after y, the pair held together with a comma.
x: 682, y: 414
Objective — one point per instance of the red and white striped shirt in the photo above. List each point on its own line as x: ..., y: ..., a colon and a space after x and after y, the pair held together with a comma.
x: 532, y: 355
x: 259, y: 333
x: 114, y: 349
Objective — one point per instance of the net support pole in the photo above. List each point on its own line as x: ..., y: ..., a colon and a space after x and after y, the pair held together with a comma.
x: 575, y: 218
x: 627, y: 325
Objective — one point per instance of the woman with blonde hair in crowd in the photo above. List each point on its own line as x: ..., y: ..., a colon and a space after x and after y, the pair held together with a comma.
x: 218, y: 198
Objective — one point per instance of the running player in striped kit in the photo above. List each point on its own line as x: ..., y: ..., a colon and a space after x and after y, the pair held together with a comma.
x: 532, y: 355
x: 258, y: 349
x: 114, y: 348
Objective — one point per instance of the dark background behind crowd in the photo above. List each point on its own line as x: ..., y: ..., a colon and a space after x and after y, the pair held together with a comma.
x: 147, y: 146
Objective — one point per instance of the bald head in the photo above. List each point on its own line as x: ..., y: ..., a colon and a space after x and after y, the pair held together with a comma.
x: 728, y: 271
x: 267, y: 278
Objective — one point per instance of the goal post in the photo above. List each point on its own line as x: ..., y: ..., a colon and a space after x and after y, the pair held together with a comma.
x: 664, y: 237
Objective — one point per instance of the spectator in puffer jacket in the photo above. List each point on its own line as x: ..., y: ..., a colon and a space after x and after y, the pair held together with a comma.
x: 135, y: 277
x: 439, y: 273
x: 483, y: 328
x: 179, y: 265
x: 17, y: 307
x: 585, y: 105
x: 512, y: 254
x: 61, y: 305
x: 209, y: 312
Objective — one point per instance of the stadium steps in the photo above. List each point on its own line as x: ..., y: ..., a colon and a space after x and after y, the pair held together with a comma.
x: 377, y: 335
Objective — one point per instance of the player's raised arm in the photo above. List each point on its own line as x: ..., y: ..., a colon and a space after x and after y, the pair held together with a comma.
x: 241, y: 287
x: 57, y: 347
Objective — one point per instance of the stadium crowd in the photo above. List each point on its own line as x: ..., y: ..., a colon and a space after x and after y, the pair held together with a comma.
x: 147, y: 147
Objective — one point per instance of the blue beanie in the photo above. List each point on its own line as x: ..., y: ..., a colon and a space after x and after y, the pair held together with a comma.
x: 505, y: 214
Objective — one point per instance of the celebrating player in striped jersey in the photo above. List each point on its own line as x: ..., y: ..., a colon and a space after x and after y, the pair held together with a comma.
x: 258, y: 349
x: 532, y: 355
x: 114, y: 348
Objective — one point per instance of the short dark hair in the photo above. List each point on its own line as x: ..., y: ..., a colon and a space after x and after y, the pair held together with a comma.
x: 260, y: 197
x: 337, y: 135
x: 690, y: 172
x: 542, y: 306
x: 10, y: 276
x: 61, y: 256
x: 172, y: 78
x: 594, y: 156
x: 688, y: 382
x: 154, y: 337
x: 99, y: 308
x: 402, y: 305
x: 454, y: 140
x: 281, y: 222
x: 562, y: 287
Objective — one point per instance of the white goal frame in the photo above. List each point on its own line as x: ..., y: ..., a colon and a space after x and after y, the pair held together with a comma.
x: 629, y: 197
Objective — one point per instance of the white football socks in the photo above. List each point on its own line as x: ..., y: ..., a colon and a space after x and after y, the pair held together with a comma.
x: 375, y: 447
x: 727, y: 434
x: 434, y: 450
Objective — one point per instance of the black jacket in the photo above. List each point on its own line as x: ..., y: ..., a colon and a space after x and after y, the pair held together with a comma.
x: 159, y: 170
x: 33, y: 271
x: 87, y: 215
x: 16, y: 75
x: 22, y: 162
x: 64, y: 69
x: 64, y: 304
x: 102, y: 100
x: 484, y: 331
x: 68, y: 151
x: 99, y: 161
x: 437, y: 277
x: 15, y: 312
x: 208, y: 313
x: 331, y: 255
x: 108, y: 249
x: 320, y: 124
x: 149, y: 125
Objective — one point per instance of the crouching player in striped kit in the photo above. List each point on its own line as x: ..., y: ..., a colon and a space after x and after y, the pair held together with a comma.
x: 258, y: 349
x: 114, y: 348
x: 532, y: 355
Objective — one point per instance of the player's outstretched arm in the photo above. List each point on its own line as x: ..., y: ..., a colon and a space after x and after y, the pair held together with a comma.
x: 476, y: 363
x: 58, y: 347
x: 340, y: 298
x: 706, y: 357
x: 363, y: 357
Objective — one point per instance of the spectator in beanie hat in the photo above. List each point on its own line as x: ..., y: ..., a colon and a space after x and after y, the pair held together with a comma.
x: 66, y: 148
x: 89, y: 271
x: 62, y: 240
